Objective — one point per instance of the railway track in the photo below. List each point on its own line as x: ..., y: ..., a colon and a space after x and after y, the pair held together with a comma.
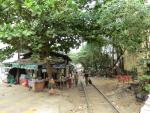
x: 96, y: 101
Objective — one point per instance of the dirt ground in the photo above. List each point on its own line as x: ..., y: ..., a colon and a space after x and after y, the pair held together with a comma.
x: 123, y: 98
x: 118, y: 93
x: 18, y: 99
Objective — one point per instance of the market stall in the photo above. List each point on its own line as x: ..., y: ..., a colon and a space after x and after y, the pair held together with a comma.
x: 37, y: 75
x: 27, y: 74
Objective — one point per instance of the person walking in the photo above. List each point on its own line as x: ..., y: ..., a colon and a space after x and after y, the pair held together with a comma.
x: 76, y: 78
x: 86, y: 75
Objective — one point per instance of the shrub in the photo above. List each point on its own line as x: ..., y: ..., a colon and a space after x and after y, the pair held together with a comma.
x: 145, y: 82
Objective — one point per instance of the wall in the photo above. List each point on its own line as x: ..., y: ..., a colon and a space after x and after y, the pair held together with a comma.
x: 131, y: 60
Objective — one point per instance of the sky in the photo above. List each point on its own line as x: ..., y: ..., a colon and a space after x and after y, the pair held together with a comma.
x: 12, y: 59
x: 77, y: 50
x: 2, y: 45
x: 148, y: 1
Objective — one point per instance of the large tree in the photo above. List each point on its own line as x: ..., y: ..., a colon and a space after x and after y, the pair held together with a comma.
x: 125, y: 23
x: 40, y: 26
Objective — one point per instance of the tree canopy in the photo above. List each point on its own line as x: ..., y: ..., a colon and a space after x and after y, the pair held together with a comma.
x: 92, y: 56
x: 123, y: 24
x: 41, y: 26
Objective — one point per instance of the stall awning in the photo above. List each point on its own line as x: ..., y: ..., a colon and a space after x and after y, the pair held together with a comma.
x: 24, y: 66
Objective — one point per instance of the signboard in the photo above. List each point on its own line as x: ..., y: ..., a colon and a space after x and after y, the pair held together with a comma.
x: 44, y: 70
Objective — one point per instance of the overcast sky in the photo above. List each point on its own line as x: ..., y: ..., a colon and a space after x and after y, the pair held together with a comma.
x: 2, y: 45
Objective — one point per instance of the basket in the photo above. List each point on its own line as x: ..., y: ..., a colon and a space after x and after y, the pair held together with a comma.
x: 39, y: 86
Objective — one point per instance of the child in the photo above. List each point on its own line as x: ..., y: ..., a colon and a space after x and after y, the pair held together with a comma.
x: 51, y: 86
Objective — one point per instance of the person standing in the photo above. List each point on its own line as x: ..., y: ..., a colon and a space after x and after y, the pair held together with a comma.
x: 52, y: 86
x: 69, y: 80
x: 76, y: 78
x: 86, y: 75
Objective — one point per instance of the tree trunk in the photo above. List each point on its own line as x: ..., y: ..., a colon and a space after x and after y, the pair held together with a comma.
x: 18, y: 54
x: 113, y: 51
x: 118, y: 59
x: 96, y: 67
x: 49, y: 69
x: 122, y: 63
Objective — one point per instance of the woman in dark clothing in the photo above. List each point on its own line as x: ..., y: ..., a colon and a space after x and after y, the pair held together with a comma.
x: 86, y: 75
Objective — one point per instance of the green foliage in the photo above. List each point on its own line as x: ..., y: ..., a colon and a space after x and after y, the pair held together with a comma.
x: 134, y: 73
x: 74, y: 56
x: 145, y: 82
x: 6, y: 53
x: 126, y: 22
x: 40, y: 26
x: 91, y: 56
x: 147, y: 87
x: 144, y: 78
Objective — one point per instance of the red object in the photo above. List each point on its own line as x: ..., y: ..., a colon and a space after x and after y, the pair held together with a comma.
x: 24, y: 82
x: 127, y: 78
x: 119, y: 78
x: 123, y: 78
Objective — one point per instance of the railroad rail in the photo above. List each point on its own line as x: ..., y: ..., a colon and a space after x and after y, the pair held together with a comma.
x: 106, y: 99
x: 89, y: 107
